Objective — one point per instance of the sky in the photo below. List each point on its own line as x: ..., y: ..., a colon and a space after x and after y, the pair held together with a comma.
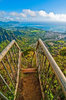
x: 33, y: 10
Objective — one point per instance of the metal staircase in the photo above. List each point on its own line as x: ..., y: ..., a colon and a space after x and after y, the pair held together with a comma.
x: 52, y: 80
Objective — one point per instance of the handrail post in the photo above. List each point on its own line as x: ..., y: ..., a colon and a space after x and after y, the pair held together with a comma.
x: 19, y: 63
x: 60, y: 76
x: 6, y: 59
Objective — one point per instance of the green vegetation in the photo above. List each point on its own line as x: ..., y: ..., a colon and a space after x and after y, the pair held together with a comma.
x: 58, y: 51
x: 3, y: 44
x: 63, y: 51
x: 51, y: 87
x: 26, y: 39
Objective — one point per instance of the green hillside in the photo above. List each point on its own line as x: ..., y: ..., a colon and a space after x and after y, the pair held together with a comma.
x: 27, y: 37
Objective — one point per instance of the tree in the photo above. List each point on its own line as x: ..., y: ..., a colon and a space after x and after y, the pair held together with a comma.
x: 63, y: 51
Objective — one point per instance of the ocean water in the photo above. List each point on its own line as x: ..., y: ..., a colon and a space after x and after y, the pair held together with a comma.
x: 56, y: 27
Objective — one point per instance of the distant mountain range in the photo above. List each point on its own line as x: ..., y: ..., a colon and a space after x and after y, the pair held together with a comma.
x: 47, y: 26
x: 6, y: 35
x: 25, y: 36
x: 9, y: 24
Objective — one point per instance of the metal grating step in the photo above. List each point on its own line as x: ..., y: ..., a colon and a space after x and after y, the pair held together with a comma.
x: 29, y: 70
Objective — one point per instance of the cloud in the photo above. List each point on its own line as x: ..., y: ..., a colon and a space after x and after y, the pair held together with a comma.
x: 30, y: 15
x: 2, y: 13
x: 23, y: 15
x: 17, y: 14
x: 14, y: 14
x: 29, y: 12
x: 9, y: 19
x: 42, y: 13
x: 52, y: 17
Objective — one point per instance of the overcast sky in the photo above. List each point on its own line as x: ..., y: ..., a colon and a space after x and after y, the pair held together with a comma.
x: 33, y: 10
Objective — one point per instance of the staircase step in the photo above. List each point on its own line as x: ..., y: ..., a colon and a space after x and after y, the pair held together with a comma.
x: 29, y: 70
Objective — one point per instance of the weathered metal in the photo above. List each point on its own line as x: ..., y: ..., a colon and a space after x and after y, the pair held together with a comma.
x: 15, y: 60
x: 17, y: 81
x: 9, y: 61
x: 57, y: 71
x: 7, y: 72
x: 4, y: 52
x: 12, y: 61
x: 10, y: 67
x: 6, y: 83
x: 2, y: 96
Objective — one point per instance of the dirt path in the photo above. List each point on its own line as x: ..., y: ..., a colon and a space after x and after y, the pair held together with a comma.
x: 29, y: 88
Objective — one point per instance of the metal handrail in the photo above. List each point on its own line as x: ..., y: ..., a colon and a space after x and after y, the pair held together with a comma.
x: 4, y: 54
x: 59, y: 74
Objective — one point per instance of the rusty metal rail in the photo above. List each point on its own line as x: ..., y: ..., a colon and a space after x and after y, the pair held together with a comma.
x: 9, y: 66
x: 52, y: 79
